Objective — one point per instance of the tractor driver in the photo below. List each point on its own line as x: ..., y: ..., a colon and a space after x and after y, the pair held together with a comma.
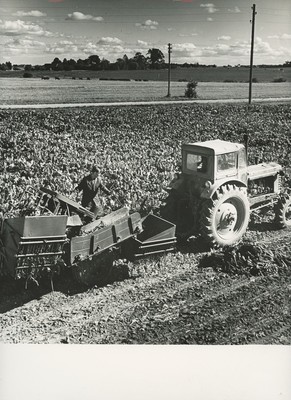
x: 90, y: 185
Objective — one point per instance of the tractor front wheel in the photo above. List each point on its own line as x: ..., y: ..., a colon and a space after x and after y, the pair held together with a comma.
x: 224, y: 218
x: 283, y: 212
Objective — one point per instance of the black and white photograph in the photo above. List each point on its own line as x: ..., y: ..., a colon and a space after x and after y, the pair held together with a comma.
x: 145, y: 201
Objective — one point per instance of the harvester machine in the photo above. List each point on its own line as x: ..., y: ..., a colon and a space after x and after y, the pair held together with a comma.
x: 216, y: 192
x: 65, y: 234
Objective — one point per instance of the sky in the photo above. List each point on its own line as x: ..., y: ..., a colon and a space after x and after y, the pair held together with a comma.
x: 218, y: 32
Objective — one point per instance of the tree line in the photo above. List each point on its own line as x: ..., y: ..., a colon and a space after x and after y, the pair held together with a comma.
x: 154, y: 59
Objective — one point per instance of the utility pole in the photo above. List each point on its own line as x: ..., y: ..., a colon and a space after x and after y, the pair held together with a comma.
x: 252, y: 52
x: 169, y: 69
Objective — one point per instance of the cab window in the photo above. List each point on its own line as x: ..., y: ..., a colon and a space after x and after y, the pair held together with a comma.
x: 197, y: 163
x: 226, y: 161
x: 242, y: 159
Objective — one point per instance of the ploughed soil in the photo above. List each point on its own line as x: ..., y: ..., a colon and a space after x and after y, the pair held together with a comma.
x: 240, y: 295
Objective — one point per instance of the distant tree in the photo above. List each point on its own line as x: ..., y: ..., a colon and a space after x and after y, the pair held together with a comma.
x: 132, y: 65
x: 47, y: 67
x: 141, y: 60
x: 28, y: 67
x: 72, y: 64
x: 38, y: 67
x: 156, y: 57
x: 287, y: 64
x: 125, y: 61
x: 104, y: 64
x: 80, y: 64
x: 9, y: 65
x: 114, y: 66
x: 66, y: 65
x: 94, y: 62
x: 120, y: 64
x: 57, y: 65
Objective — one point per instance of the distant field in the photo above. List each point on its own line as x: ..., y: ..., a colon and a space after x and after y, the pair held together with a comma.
x: 20, y: 91
x: 200, y: 74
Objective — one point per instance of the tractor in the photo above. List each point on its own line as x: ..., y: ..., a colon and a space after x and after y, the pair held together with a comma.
x: 216, y: 191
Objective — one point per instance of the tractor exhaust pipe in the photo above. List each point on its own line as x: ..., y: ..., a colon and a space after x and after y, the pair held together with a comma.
x: 246, y: 143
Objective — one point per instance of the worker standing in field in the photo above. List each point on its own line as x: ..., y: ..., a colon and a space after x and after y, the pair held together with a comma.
x: 90, y: 186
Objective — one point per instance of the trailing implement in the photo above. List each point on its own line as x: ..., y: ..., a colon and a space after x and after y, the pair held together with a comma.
x: 216, y: 192
x: 65, y: 234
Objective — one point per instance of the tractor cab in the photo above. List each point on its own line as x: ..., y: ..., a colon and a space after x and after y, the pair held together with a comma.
x: 214, y: 160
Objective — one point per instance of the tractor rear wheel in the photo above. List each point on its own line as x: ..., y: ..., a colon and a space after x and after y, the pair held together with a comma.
x: 283, y: 212
x: 224, y: 218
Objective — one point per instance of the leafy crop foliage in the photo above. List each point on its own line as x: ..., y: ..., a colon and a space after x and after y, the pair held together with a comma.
x: 138, y: 148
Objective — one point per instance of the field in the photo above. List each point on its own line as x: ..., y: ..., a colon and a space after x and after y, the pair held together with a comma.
x: 200, y: 74
x: 188, y: 297
x: 21, y: 91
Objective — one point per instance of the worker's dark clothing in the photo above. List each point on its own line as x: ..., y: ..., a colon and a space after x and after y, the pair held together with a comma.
x: 90, y: 199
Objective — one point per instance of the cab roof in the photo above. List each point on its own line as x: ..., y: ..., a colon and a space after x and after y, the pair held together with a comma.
x: 215, y: 147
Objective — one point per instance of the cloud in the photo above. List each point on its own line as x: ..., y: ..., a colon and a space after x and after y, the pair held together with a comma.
x: 184, y: 47
x: 108, y: 41
x: 148, y: 24
x: 78, y: 16
x: 17, y: 46
x: 283, y: 36
x: 265, y: 48
x: 209, y: 7
x: 234, y: 10
x: 18, y: 27
x: 64, y: 47
x: 187, y: 34
x: 224, y: 37
x: 25, y: 43
x: 142, y: 44
x: 33, y: 13
x: 109, y: 48
x: 239, y: 52
x: 209, y: 19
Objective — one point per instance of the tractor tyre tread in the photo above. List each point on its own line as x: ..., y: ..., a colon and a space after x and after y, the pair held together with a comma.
x: 282, y: 207
x: 209, y: 230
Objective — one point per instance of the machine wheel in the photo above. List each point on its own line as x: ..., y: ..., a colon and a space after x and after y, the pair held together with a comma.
x: 283, y: 212
x: 224, y: 218
x: 94, y: 271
